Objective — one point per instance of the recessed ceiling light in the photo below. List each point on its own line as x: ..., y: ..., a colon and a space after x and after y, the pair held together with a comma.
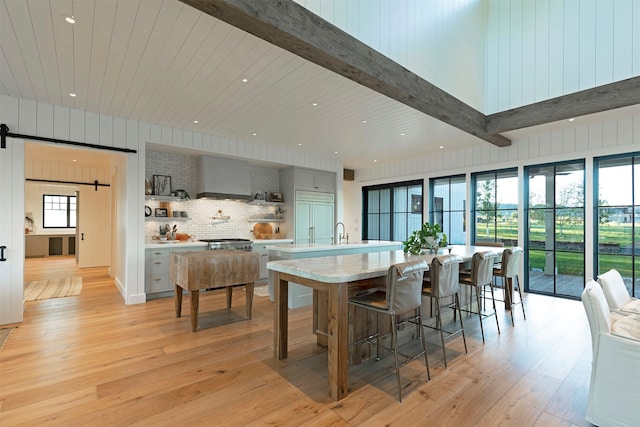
x: 299, y: 144
x: 74, y: 160
x: 571, y: 119
x: 364, y: 121
x: 70, y: 19
x: 375, y: 161
x: 402, y: 134
x: 244, y: 80
x: 254, y: 134
x: 335, y: 152
x: 196, y: 121
x: 442, y: 146
x: 315, y: 104
x: 73, y: 95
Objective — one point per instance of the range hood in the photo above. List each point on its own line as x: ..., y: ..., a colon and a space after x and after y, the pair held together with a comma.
x: 223, y: 179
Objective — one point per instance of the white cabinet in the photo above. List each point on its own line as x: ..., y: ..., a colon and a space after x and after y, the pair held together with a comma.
x: 314, y: 217
x: 156, y: 270
x: 261, y: 248
x: 309, y: 179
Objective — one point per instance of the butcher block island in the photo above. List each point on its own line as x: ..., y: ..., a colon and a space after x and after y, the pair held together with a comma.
x: 199, y: 270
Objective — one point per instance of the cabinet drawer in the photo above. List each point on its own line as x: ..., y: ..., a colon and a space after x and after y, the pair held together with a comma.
x: 156, y: 265
x: 155, y: 253
x: 159, y: 283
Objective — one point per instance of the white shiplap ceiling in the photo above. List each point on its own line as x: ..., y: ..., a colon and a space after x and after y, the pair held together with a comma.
x: 165, y: 63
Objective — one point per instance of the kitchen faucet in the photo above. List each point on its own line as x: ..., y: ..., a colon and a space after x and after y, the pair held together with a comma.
x: 340, y: 237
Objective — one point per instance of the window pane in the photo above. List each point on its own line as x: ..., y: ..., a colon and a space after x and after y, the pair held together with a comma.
x: 507, y: 192
x: 570, y: 188
x: 458, y: 193
x: 615, y: 231
x: 570, y: 229
x: 615, y: 183
x: 456, y: 234
x: 393, y: 211
x: 401, y: 203
x: 541, y: 187
x: 570, y: 273
x: 385, y: 200
x: 507, y: 230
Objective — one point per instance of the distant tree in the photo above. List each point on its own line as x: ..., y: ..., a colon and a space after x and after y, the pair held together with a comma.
x: 603, y: 214
x: 487, y: 202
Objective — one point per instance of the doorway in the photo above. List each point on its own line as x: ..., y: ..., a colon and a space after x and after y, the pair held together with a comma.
x: 83, y: 236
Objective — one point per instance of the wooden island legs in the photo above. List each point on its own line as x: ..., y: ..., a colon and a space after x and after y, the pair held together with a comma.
x: 195, y: 303
x: 337, y: 331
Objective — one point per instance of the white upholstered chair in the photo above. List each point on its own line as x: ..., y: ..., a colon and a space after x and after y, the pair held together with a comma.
x: 402, y: 294
x: 617, y: 294
x: 614, y: 389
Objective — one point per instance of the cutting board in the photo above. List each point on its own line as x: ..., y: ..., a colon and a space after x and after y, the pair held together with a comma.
x: 263, y: 230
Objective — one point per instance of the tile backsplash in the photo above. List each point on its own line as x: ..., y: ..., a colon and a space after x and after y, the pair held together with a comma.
x: 183, y: 172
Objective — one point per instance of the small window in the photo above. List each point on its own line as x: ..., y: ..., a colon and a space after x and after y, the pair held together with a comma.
x: 58, y: 211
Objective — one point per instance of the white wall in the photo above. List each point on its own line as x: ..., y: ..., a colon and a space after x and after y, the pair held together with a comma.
x: 498, y: 54
x: 538, y: 50
x: 443, y: 41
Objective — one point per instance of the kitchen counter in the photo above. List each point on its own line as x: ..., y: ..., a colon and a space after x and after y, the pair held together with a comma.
x: 156, y: 244
x: 300, y: 295
x: 310, y: 250
x: 268, y: 241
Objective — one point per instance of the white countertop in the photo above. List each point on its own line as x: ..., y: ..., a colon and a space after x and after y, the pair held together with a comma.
x: 274, y: 241
x: 156, y: 244
x: 349, y: 268
x: 316, y: 247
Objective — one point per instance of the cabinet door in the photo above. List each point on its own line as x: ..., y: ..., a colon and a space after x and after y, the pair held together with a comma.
x: 305, y: 179
x: 325, y: 181
x: 303, y: 221
x: 264, y: 273
x: 322, y: 213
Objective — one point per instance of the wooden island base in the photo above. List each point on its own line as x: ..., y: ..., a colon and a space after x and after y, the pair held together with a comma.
x: 215, y: 269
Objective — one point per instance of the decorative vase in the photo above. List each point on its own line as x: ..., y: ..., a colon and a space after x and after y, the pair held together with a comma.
x: 148, y: 188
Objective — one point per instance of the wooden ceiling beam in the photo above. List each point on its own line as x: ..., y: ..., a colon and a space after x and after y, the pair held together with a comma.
x: 619, y: 94
x: 290, y: 26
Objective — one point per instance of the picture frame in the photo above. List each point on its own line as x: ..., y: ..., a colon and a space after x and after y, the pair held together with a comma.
x: 275, y: 197
x: 161, y: 212
x: 161, y: 185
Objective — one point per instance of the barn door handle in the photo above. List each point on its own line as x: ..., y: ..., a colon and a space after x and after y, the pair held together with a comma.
x: 82, y: 236
x: 2, y: 248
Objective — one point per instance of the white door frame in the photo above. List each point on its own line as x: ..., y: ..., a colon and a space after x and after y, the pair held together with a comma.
x: 12, y: 232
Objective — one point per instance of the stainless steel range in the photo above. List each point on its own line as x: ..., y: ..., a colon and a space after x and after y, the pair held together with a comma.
x: 236, y: 244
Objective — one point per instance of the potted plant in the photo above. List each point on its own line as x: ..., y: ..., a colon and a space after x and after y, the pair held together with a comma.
x: 428, y: 237
x: 28, y: 224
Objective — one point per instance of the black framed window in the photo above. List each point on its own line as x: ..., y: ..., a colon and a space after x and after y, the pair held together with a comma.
x: 58, y: 211
x: 448, y: 201
x: 617, y: 209
x: 391, y: 211
x: 555, y: 232
x: 494, y: 213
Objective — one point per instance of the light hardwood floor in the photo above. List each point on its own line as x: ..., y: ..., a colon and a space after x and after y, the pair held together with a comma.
x: 91, y: 360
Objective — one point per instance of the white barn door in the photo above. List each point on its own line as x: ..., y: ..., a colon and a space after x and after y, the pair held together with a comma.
x: 12, y: 232
x: 94, y: 226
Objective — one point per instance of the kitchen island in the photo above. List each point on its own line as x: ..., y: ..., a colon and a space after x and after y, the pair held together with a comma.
x: 299, y: 295
x: 334, y: 276
x: 200, y: 270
